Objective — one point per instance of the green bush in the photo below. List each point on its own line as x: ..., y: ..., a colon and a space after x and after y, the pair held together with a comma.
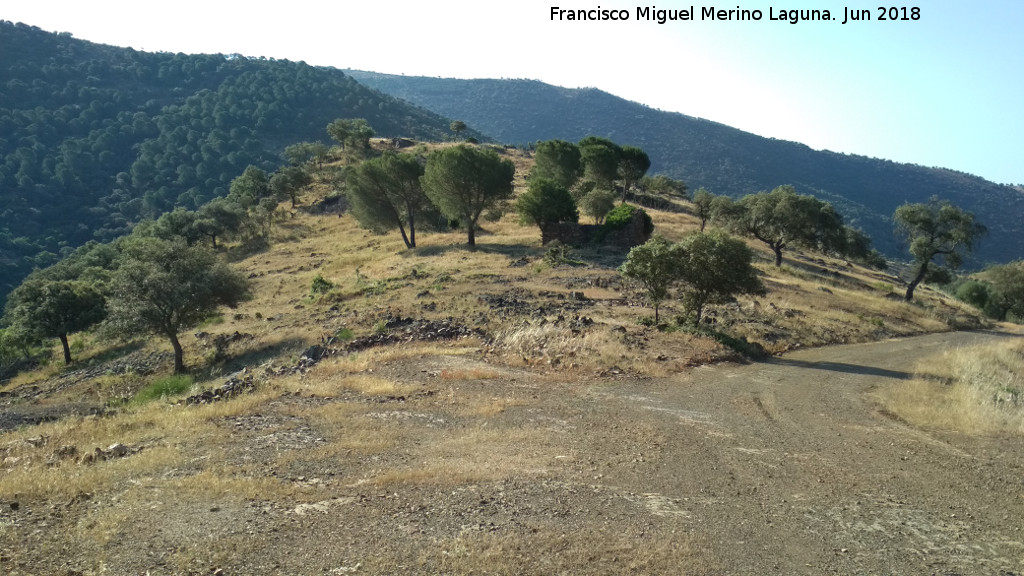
x: 974, y: 293
x: 622, y: 215
x: 321, y: 285
x: 164, y: 388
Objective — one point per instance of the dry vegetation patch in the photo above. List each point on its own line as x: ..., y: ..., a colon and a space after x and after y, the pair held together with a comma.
x: 977, y: 390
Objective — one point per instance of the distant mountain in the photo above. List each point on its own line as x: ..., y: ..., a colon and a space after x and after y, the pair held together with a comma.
x: 722, y: 159
x: 94, y: 138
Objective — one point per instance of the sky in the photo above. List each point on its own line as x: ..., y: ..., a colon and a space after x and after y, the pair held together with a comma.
x: 946, y: 89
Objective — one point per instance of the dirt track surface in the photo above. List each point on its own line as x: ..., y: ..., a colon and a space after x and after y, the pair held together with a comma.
x: 781, y: 467
x: 789, y: 467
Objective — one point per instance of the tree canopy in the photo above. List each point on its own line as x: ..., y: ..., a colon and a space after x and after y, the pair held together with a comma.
x: 655, y: 264
x: 55, y: 308
x: 713, y: 269
x: 465, y: 180
x: 163, y: 287
x: 937, y: 232
x: 557, y: 160
x: 385, y: 193
x: 546, y: 202
x: 633, y: 165
x: 600, y: 160
x: 783, y: 218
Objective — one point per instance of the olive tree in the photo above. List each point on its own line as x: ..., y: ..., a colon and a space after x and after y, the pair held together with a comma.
x: 938, y: 233
x: 55, y: 308
x: 782, y: 218
x: 655, y: 264
x: 163, y: 287
x: 713, y: 269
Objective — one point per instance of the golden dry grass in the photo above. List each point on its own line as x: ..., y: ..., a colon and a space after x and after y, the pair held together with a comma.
x: 978, y: 390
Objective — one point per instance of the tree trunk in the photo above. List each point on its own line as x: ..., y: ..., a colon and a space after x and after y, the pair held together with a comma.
x: 67, y: 349
x: 404, y: 237
x: 778, y: 256
x: 412, y: 229
x: 471, y: 231
x: 917, y: 280
x: 179, y: 363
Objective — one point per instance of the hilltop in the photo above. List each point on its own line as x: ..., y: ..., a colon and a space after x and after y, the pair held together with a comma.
x: 725, y: 160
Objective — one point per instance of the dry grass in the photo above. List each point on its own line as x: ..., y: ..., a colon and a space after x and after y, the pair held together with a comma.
x: 469, y: 374
x: 548, y: 550
x: 978, y: 390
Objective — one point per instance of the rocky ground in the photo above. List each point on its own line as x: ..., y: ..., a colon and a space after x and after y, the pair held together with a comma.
x: 786, y: 466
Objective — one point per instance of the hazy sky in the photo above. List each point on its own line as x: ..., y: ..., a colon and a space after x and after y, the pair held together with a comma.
x: 944, y: 90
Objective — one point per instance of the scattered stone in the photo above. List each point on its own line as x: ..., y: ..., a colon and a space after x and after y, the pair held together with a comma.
x: 65, y: 452
x: 116, y: 450
x: 38, y: 441
x: 236, y: 384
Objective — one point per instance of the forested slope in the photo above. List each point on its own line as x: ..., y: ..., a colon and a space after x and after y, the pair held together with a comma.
x: 94, y: 138
x: 723, y: 159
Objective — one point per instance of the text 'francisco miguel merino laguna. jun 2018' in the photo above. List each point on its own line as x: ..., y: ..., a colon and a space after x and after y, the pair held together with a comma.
x: 845, y: 15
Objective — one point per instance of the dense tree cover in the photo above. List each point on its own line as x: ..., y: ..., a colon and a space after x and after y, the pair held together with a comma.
x: 937, y: 234
x: 95, y: 138
x: 163, y: 287
x: 385, y: 193
x: 722, y: 159
x: 463, y: 181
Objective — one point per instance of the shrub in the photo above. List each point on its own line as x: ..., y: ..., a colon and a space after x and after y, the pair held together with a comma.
x: 164, y: 388
x: 321, y: 285
x: 622, y: 215
x: 974, y: 293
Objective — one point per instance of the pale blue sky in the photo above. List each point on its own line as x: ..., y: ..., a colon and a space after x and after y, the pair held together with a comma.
x: 945, y: 90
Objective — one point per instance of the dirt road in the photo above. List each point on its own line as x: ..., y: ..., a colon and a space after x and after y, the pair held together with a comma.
x: 780, y: 467
x: 789, y: 467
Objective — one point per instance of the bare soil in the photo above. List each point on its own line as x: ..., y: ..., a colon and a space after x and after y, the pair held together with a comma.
x: 786, y: 466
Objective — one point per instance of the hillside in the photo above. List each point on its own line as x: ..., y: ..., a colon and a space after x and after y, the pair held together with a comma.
x: 497, y: 410
x: 94, y: 138
x: 722, y: 159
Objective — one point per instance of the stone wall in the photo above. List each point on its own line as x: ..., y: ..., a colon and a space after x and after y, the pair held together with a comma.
x: 583, y: 234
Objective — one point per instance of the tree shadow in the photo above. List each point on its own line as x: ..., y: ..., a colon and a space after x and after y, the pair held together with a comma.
x: 258, y: 356
x: 513, y: 251
x: 841, y: 367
